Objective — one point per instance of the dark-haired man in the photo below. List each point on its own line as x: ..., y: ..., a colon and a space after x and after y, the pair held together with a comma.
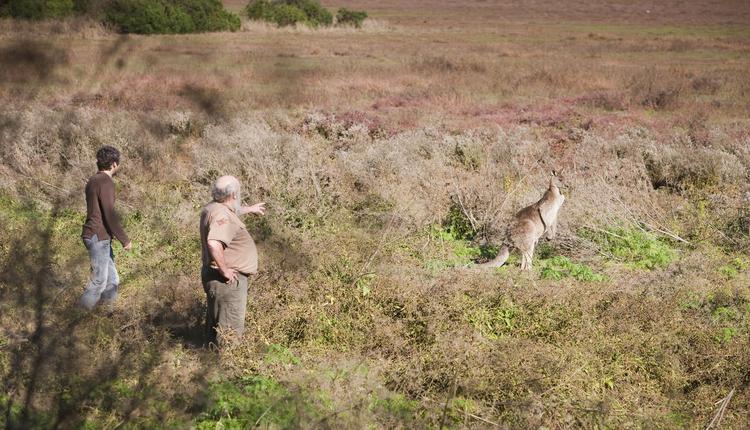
x: 102, y: 224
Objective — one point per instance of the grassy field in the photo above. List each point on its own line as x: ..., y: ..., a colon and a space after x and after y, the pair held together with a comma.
x: 367, y: 311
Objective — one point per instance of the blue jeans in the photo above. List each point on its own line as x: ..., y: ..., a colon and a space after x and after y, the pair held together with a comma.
x: 104, y: 279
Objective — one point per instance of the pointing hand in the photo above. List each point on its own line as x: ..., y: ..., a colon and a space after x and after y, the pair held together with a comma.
x: 258, y: 209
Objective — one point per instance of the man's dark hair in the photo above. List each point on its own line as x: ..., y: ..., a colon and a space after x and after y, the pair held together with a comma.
x: 106, y: 156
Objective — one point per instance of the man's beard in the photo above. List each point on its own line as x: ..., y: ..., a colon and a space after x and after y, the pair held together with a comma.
x: 238, y: 203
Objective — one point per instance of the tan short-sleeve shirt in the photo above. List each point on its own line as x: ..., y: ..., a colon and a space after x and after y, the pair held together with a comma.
x: 218, y: 222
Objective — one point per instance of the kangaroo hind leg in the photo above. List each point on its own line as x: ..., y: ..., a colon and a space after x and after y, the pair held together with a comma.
x: 527, y: 253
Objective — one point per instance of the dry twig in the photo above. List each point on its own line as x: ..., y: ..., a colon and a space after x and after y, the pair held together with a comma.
x: 719, y: 415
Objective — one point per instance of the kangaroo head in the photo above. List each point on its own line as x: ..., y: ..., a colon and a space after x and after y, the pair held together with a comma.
x: 553, y: 191
x: 555, y: 182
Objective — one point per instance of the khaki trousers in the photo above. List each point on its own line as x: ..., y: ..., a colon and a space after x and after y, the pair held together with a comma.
x: 227, y: 303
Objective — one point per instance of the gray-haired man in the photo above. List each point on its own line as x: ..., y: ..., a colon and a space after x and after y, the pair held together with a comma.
x: 229, y: 257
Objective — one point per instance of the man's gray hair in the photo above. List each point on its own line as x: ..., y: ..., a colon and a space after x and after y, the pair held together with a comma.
x: 223, y: 189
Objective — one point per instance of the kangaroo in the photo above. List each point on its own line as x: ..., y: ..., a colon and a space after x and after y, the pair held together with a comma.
x: 530, y: 224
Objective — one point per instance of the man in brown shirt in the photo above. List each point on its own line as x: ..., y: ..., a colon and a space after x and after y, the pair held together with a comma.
x: 229, y: 257
x: 102, y: 223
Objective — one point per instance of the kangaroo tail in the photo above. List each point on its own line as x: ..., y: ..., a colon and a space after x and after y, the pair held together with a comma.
x: 498, y: 261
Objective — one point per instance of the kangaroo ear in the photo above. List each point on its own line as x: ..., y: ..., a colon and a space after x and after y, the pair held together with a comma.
x: 556, y: 174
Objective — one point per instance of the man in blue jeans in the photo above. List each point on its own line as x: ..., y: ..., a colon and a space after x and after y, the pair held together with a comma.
x: 102, y: 223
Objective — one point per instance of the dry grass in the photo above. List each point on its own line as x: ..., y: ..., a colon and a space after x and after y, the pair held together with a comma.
x: 363, y: 314
x: 397, y: 70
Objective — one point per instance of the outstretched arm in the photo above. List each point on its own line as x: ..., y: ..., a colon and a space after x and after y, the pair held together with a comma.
x: 257, y: 209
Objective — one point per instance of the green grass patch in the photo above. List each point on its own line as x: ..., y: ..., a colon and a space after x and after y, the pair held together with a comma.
x: 276, y: 353
x: 635, y: 248
x: 505, y: 317
x: 560, y: 267
x: 396, y: 406
x: 734, y: 268
x: 250, y: 402
x: 457, y: 250
x: 494, y: 320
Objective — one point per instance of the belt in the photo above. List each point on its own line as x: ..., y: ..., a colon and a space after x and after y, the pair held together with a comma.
x: 215, y: 270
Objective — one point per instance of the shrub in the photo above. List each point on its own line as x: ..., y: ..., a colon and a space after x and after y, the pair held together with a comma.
x: 285, y: 15
x: 350, y: 17
x: 685, y: 171
x: 86, y: 6
x: 148, y: 17
x: 210, y: 15
x: 289, y: 12
x: 259, y: 10
x: 316, y: 14
x: 164, y: 16
x: 37, y: 9
x: 657, y: 89
x: 457, y: 224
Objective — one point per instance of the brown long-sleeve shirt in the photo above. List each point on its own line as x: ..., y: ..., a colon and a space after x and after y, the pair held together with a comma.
x: 101, y: 219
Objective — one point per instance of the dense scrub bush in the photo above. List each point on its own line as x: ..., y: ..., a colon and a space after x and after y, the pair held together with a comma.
x: 316, y: 14
x: 457, y: 223
x: 37, y: 9
x: 350, y: 17
x: 289, y: 12
x: 133, y: 16
x: 259, y: 10
x: 148, y: 17
x: 697, y: 169
x: 209, y: 15
x: 657, y: 89
x: 164, y: 16
x: 285, y: 15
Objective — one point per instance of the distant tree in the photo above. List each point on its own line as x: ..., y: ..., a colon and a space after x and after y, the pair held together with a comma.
x: 261, y: 10
x: 37, y: 9
x: 316, y: 14
x: 289, y: 12
x: 285, y: 15
x: 170, y: 16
